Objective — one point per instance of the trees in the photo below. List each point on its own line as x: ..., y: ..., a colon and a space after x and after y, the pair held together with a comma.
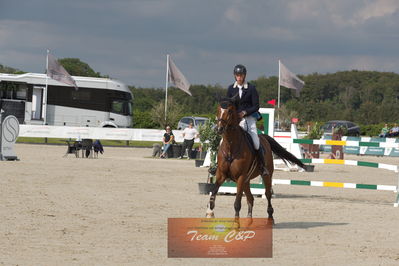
x: 75, y: 67
x: 10, y: 70
x: 174, y: 112
x: 364, y: 97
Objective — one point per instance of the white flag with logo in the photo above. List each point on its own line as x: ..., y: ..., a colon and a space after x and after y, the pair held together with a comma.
x: 56, y: 71
x: 290, y: 80
x: 177, y: 78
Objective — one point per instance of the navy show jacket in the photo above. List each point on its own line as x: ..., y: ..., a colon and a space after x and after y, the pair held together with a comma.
x: 249, y: 99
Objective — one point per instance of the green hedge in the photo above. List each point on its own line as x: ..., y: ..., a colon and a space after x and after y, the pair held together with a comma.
x: 143, y: 119
x: 365, y: 130
x: 373, y: 130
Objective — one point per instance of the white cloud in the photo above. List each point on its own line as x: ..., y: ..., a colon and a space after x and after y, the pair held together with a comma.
x: 129, y: 40
x: 376, y: 9
x: 341, y: 13
x: 303, y: 10
x: 232, y: 14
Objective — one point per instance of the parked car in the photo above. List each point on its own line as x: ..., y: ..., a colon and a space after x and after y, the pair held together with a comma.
x: 353, y: 129
x: 185, y: 121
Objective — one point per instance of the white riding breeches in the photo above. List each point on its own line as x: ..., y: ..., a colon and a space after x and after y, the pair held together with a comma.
x: 248, y: 123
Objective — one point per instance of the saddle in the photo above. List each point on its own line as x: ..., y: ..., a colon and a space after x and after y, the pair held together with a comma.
x: 251, y: 145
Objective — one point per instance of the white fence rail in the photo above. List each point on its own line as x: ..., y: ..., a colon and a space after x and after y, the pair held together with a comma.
x: 37, y: 131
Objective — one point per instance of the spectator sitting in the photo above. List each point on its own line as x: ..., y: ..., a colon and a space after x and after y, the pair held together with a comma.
x: 384, y: 131
x: 167, y: 140
x: 394, y: 131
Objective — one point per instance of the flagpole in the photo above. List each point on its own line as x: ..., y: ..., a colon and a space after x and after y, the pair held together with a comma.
x: 278, y: 95
x: 45, y: 92
x: 166, y: 85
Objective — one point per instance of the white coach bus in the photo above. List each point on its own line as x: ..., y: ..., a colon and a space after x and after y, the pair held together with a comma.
x: 99, y: 102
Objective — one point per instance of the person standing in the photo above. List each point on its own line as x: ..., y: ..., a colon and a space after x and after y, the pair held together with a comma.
x: 248, y: 106
x: 189, y: 134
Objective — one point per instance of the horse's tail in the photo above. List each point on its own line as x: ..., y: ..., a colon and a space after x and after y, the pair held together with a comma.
x: 283, y: 153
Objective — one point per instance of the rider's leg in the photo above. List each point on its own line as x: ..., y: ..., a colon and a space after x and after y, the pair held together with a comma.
x: 251, y: 125
x: 262, y: 166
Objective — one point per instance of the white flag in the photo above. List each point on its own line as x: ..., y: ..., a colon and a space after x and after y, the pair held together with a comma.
x: 289, y: 79
x: 177, y: 78
x: 56, y: 71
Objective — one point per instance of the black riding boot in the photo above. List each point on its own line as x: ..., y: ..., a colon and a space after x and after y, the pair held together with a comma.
x: 261, y: 159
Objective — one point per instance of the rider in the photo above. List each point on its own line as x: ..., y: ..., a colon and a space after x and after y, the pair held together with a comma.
x: 248, y: 106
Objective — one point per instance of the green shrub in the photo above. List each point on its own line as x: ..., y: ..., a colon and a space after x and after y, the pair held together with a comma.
x: 315, y: 132
x: 210, y: 138
x: 371, y: 130
x: 208, y: 135
x: 143, y: 119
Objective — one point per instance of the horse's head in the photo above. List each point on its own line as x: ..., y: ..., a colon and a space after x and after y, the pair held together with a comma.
x: 227, y: 115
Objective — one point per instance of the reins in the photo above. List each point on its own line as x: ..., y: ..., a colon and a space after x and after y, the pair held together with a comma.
x: 228, y: 155
x: 231, y: 152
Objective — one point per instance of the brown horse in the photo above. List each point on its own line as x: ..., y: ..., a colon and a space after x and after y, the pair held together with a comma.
x: 237, y: 162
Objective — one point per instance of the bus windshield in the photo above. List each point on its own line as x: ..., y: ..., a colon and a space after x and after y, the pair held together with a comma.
x: 121, y: 107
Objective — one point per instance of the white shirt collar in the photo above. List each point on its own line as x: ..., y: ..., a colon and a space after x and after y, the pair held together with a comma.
x: 245, y: 85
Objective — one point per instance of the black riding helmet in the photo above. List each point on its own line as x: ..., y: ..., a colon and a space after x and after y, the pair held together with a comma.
x: 240, y: 69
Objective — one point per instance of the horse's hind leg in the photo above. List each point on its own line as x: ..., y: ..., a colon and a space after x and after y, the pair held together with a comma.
x: 267, y: 181
x: 250, y: 199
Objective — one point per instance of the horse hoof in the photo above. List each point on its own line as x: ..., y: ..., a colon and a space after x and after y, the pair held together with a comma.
x: 210, y: 215
x: 270, y: 221
x: 249, y: 221
x: 236, y: 225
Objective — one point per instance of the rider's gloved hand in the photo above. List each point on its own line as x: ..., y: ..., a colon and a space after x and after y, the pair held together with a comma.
x: 242, y: 114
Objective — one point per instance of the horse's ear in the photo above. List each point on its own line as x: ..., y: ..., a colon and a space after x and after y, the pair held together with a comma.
x: 235, y: 100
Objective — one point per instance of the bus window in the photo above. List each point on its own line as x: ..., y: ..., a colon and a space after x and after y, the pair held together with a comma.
x: 127, y: 108
x: 117, y: 107
x: 21, y: 94
x: 9, y: 90
x: 121, y: 107
x: 82, y: 95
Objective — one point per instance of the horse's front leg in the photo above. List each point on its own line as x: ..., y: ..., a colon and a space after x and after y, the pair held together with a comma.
x: 237, y: 202
x: 220, y: 178
x: 250, y: 198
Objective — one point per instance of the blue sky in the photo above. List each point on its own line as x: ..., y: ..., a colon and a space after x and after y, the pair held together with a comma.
x: 129, y: 40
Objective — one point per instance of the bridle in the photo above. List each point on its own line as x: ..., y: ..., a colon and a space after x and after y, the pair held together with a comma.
x: 228, y: 125
x: 226, y: 122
